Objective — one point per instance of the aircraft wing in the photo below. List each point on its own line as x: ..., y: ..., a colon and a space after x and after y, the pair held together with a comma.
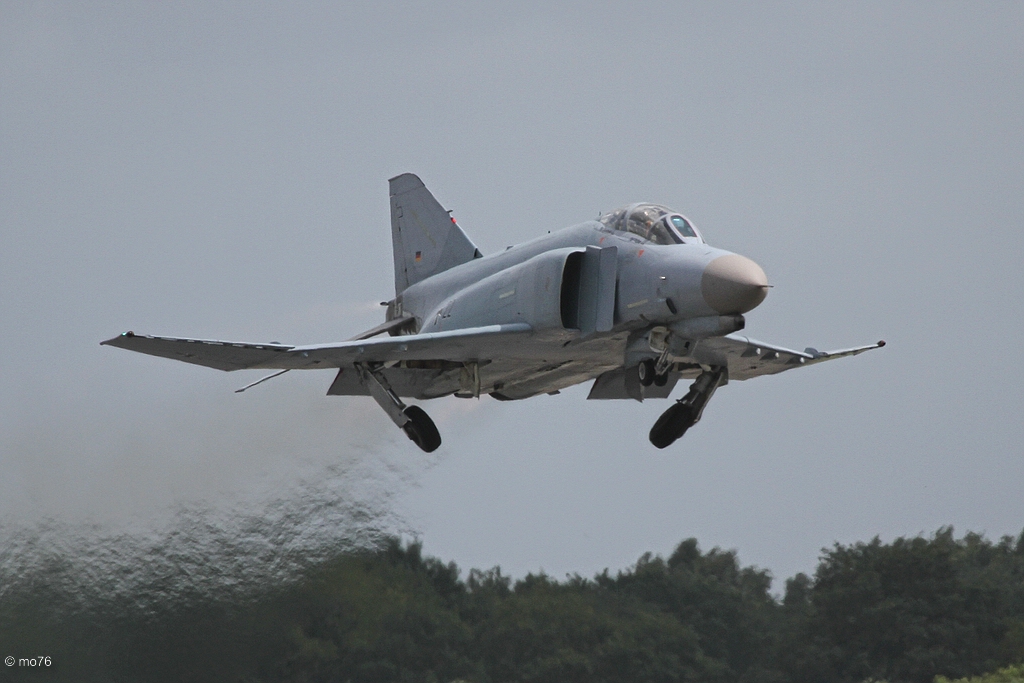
x: 471, y: 344
x: 747, y: 358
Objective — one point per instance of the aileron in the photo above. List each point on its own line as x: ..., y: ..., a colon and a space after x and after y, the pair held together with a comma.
x: 221, y: 355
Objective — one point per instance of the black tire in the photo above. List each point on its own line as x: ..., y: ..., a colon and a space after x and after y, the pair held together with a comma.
x: 421, y: 429
x: 661, y: 380
x: 672, y: 424
x: 645, y: 371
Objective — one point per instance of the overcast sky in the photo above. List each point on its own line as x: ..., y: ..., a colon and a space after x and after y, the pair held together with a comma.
x: 220, y: 171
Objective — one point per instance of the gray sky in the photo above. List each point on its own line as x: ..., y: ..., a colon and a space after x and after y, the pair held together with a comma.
x: 220, y: 171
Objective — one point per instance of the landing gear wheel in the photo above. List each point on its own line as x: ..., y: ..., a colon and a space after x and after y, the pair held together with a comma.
x: 661, y: 380
x: 645, y: 371
x: 420, y: 428
x: 672, y: 424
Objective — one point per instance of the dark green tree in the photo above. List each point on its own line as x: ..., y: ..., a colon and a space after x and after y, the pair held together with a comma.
x: 727, y: 606
x: 389, y: 615
x: 905, y: 611
x: 545, y: 631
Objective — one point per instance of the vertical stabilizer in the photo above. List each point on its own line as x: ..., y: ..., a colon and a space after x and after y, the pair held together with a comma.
x: 425, y: 237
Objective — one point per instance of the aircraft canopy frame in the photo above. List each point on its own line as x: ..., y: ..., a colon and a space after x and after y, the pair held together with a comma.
x: 652, y: 222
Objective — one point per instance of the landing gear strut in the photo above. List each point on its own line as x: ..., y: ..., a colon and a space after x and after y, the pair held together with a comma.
x: 416, y: 424
x: 686, y: 412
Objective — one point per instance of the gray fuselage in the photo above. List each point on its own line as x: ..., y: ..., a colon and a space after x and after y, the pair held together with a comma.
x: 656, y: 284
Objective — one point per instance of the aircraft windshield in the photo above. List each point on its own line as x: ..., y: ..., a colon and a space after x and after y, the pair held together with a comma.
x: 683, y: 226
x: 652, y: 222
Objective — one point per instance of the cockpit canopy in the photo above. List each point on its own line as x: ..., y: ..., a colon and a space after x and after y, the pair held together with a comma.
x: 658, y: 224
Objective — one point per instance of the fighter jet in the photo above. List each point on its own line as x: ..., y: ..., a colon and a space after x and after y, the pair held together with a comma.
x: 634, y: 300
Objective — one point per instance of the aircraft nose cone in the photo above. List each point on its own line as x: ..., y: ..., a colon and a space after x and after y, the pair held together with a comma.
x: 733, y: 284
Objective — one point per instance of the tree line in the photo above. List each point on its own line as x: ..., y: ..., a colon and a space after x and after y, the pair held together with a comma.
x: 905, y: 611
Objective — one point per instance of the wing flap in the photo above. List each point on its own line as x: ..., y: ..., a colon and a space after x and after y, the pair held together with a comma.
x: 405, y: 382
x: 472, y: 344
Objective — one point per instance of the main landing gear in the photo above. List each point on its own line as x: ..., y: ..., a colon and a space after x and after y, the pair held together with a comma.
x: 416, y: 424
x: 420, y: 428
x: 686, y: 412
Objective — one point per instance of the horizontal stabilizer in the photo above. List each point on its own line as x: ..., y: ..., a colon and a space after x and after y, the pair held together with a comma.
x: 392, y: 327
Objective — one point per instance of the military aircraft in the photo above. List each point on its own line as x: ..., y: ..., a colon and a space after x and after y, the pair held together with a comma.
x: 635, y: 300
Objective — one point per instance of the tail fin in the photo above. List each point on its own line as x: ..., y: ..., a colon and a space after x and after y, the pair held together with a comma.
x: 425, y: 237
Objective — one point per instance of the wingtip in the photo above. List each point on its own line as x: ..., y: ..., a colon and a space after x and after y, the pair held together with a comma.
x: 110, y: 342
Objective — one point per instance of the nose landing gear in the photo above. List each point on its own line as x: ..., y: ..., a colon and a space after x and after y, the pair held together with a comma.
x: 648, y: 374
x: 687, y: 411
